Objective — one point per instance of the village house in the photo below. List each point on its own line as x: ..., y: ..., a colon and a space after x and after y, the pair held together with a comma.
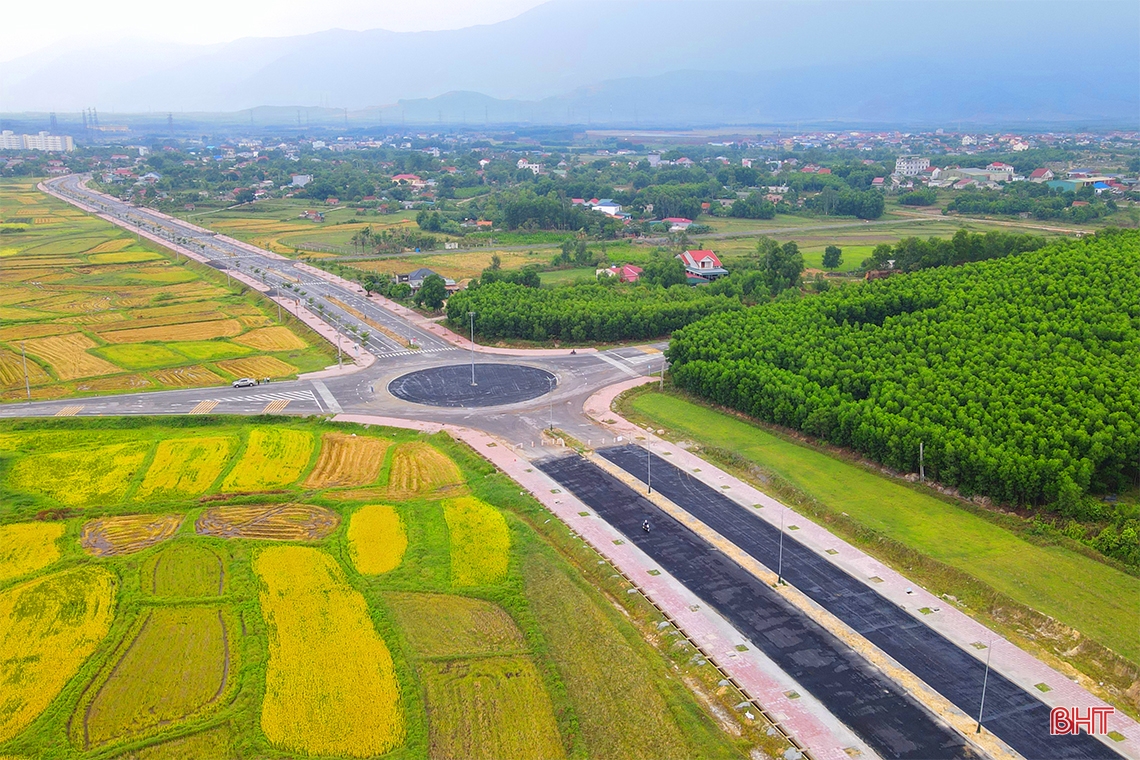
x: 1041, y: 175
x: 677, y: 223
x: 702, y: 264
x: 415, y: 279
x: 624, y: 273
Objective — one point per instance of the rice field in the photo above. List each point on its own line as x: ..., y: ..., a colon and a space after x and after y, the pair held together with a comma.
x: 376, y: 539
x: 258, y: 367
x: 347, y: 460
x: 174, y: 667
x: 92, y: 302
x: 28, y: 547
x: 272, y: 457
x: 48, y: 627
x: 420, y: 469
x: 127, y: 534
x: 193, y: 620
x: 330, y: 684
x: 480, y: 542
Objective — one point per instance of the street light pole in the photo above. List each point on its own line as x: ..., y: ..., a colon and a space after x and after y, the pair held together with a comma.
x: 780, y: 562
x: 471, y: 316
x: 338, y: 361
x: 649, y: 464
x: 985, y: 680
x: 27, y: 385
x: 551, y: 392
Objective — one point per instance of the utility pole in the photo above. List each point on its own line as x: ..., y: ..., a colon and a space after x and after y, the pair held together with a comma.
x: 27, y: 385
x: 921, y: 463
x: 985, y: 680
x: 780, y: 562
x: 471, y: 316
x: 649, y: 464
x: 338, y: 361
x: 551, y: 381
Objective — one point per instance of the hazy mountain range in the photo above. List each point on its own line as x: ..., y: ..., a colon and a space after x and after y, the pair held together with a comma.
x: 651, y: 63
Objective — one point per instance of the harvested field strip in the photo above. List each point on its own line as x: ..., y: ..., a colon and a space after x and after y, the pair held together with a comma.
x: 174, y: 667
x: 389, y: 332
x: 99, y: 474
x: 444, y: 626
x: 289, y: 522
x: 185, y: 466
x: 480, y: 542
x: 116, y: 383
x: 258, y: 366
x: 179, y: 318
x: 621, y: 713
x: 20, y: 332
x: 222, y: 328
x: 348, y: 460
x: 418, y: 469
x: 271, y: 339
x: 121, y: 257
x: 12, y: 367
x: 376, y: 539
x: 112, y: 245
x: 330, y: 686
x: 488, y: 709
x: 68, y: 357
x: 28, y: 547
x: 127, y: 534
x: 187, y: 571
x: 272, y: 457
x: 187, y: 377
x: 48, y: 628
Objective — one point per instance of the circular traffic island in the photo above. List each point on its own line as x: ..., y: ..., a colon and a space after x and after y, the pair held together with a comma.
x: 495, y: 385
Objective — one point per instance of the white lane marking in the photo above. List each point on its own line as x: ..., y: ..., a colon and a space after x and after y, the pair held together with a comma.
x: 279, y: 396
x: 623, y: 367
x: 330, y: 400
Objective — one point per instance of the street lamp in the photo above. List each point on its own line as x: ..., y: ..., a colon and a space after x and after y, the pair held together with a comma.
x: 551, y: 393
x: 649, y: 464
x: 780, y: 562
x: 471, y: 316
x: 985, y: 680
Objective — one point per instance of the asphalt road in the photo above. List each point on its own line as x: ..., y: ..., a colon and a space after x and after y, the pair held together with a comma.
x: 891, y: 722
x: 1012, y: 714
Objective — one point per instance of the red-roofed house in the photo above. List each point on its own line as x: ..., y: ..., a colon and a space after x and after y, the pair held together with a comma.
x: 677, y: 223
x: 624, y: 273
x: 1041, y: 175
x: 702, y: 264
x: 877, y: 182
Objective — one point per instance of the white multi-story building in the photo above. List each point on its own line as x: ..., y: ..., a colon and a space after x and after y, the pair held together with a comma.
x: 42, y: 141
x: 911, y: 166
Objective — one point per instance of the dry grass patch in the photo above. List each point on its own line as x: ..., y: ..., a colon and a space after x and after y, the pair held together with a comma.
x: 67, y: 355
x: 480, y: 542
x: 348, y: 460
x: 444, y: 626
x: 272, y: 339
x: 489, y: 709
x: 187, y: 377
x: 376, y: 539
x: 219, y: 328
x: 330, y: 686
x: 116, y: 383
x: 419, y: 469
x: 49, y: 626
x: 258, y: 366
x: 28, y: 547
x: 79, y: 477
x: 185, y: 466
x: 127, y: 534
x: 173, y: 668
x: 273, y: 457
x: 288, y: 522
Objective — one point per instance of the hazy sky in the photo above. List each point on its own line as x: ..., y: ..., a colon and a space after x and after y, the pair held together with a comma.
x: 28, y: 28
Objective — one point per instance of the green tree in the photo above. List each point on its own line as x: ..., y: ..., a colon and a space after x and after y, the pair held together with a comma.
x: 496, y: 262
x: 782, y: 266
x: 432, y: 293
x: 832, y: 257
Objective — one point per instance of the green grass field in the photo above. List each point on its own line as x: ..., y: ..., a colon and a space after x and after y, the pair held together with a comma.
x: 182, y: 643
x: 1043, y: 577
x: 97, y: 311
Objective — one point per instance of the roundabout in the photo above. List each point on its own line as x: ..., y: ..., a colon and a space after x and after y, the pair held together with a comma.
x: 451, y: 386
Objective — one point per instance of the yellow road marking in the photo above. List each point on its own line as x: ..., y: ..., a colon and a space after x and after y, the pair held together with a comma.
x: 69, y: 411
x: 275, y: 407
x: 648, y: 350
x: 204, y: 407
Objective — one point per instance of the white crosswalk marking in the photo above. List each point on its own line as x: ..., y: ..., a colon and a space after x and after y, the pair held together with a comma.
x: 277, y: 396
x: 411, y: 351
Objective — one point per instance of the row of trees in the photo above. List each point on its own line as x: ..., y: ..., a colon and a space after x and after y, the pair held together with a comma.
x: 393, y: 240
x: 911, y: 254
x: 1036, y: 199
x: 1017, y: 375
x: 582, y: 313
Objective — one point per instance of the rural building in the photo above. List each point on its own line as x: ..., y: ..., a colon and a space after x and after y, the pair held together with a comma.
x: 704, y: 264
x: 44, y: 141
x: 911, y: 166
x: 608, y: 207
x: 415, y: 279
x: 1041, y: 175
x: 300, y: 180
x: 624, y: 273
x: 677, y: 223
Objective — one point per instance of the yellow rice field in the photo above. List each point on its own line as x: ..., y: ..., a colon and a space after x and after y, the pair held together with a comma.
x: 127, y: 534
x: 48, y: 627
x: 271, y: 339
x: 330, y: 685
x: 376, y: 539
x: 187, y: 377
x: 480, y: 542
x: 185, y: 466
x: 12, y: 367
x: 272, y: 457
x: 419, y: 469
x: 347, y: 460
x: 67, y: 355
x: 80, y: 477
x: 258, y: 367
x: 28, y: 547
x: 220, y: 328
